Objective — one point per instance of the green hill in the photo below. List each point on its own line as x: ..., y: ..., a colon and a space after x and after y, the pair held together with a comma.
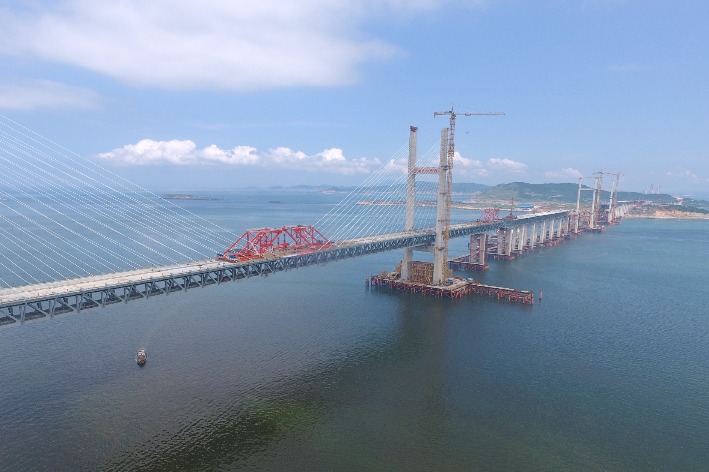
x: 564, y: 192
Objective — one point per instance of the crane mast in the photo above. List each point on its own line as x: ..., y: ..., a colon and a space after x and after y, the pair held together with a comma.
x: 442, y: 246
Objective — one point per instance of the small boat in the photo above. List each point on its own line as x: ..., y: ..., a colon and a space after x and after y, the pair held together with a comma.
x: 141, y: 357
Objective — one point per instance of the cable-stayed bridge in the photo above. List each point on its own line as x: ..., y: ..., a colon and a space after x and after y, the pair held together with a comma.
x: 47, y: 299
x: 74, y: 235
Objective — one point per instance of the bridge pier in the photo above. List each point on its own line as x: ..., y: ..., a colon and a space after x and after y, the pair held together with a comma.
x: 521, y: 238
x: 533, y: 237
x: 476, y: 259
x: 504, y: 244
x: 478, y: 250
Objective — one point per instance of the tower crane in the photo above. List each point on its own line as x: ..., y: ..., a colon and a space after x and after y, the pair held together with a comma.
x: 445, y: 189
x: 451, y: 153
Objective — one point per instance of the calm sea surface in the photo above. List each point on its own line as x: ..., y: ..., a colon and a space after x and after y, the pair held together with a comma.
x: 309, y: 370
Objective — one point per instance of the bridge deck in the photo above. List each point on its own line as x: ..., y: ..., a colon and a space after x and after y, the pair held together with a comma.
x: 18, y: 304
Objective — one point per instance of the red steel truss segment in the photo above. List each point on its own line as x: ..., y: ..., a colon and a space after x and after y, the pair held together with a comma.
x: 275, y: 242
x: 490, y: 215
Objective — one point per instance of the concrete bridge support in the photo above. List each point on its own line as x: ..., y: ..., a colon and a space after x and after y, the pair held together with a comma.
x: 529, y: 238
x: 478, y: 249
x: 619, y: 211
x: 504, y: 243
x: 533, y: 237
x: 520, y: 236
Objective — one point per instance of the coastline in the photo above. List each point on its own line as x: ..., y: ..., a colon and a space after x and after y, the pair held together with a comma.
x: 668, y: 215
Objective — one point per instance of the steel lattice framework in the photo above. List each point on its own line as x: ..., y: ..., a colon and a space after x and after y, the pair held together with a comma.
x: 490, y: 215
x: 274, y: 242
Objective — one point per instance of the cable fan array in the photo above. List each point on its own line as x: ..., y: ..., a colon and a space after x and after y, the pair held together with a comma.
x: 66, y: 216
x: 377, y: 206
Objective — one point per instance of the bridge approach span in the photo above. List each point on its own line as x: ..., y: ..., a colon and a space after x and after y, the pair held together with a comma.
x: 45, y: 300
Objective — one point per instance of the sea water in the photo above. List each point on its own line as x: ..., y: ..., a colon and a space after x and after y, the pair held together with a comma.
x: 310, y: 370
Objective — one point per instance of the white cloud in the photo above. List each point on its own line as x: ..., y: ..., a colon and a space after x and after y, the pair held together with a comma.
x: 504, y: 164
x: 466, y: 167
x: 332, y: 154
x: 175, y: 152
x: 185, y: 44
x: 330, y: 161
x: 185, y: 153
x: 222, y: 44
x: 33, y: 94
x: 567, y: 172
x: 466, y: 163
x: 397, y: 166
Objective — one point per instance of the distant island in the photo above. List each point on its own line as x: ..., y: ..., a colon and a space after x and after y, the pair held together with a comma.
x: 515, y: 195
x: 521, y: 196
x: 516, y: 192
x: 186, y: 196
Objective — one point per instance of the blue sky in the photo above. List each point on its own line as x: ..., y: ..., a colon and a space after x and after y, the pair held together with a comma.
x: 181, y: 95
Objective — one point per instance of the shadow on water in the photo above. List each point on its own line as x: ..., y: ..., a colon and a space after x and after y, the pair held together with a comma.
x: 239, y: 433
x: 247, y: 432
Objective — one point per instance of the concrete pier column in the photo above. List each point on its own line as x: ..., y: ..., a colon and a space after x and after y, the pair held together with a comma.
x: 621, y: 210
x: 577, y: 218
x: 478, y: 249
x: 504, y: 242
x: 543, y: 236
x: 534, y: 236
x: 521, y: 237
x: 528, y: 244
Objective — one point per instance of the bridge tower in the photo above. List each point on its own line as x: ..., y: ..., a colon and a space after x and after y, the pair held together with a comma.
x: 577, y: 216
x: 410, y: 207
x: 596, y: 202
x: 443, y: 209
x: 613, y: 203
x: 445, y: 190
x: 410, y: 203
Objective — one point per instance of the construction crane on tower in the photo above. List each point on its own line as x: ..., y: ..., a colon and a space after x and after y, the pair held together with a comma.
x: 451, y: 154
